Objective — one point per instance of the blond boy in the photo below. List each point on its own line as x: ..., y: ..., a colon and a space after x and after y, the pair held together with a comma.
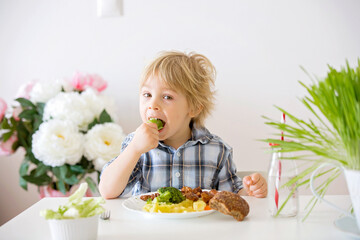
x: 177, y: 89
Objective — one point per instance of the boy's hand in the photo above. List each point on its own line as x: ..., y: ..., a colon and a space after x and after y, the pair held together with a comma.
x: 255, y: 185
x: 146, y: 137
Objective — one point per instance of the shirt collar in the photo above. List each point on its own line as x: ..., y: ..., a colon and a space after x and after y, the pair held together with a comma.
x: 198, y: 134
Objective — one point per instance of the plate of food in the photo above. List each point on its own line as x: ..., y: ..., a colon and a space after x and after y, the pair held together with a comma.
x: 169, y: 202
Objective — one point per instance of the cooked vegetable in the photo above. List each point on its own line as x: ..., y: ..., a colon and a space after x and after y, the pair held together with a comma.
x: 170, y: 195
x: 199, y: 205
x: 185, y: 206
x: 76, y: 207
x: 158, y: 122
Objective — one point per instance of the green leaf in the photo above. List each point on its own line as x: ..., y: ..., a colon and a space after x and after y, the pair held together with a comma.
x: 41, y: 169
x: 63, y: 171
x: 76, y: 168
x: 30, y: 157
x: 104, y: 117
x: 28, y: 114
x: 56, y: 171
x: 13, y: 122
x: 22, y: 135
x: 40, y: 108
x: 5, y: 124
x: 40, y: 180
x: 92, y: 185
x: 7, y: 135
x: 61, y: 186
x: 85, y: 164
x: 37, y: 122
x: 15, y: 145
x: 23, y: 183
x: 71, y: 180
x: 25, y: 103
x: 28, y: 126
x: 23, y: 168
x: 93, y: 123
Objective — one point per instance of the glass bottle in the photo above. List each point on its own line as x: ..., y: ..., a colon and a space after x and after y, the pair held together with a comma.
x: 283, y: 200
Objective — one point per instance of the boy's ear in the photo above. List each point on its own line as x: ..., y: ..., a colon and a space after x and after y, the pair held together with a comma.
x: 195, y: 111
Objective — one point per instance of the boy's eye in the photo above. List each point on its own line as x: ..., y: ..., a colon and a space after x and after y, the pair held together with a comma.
x: 167, y: 97
x: 147, y: 95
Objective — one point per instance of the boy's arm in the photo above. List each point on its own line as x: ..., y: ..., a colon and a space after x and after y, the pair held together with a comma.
x: 115, y: 177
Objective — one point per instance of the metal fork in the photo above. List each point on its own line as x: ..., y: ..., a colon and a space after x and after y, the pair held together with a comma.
x: 105, y: 215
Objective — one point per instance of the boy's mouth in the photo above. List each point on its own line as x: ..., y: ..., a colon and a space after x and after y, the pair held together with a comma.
x: 159, y: 122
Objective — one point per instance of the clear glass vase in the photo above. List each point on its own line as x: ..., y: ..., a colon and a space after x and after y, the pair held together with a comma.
x: 283, y: 198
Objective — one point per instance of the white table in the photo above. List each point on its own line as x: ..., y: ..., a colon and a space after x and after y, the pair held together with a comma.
x: 124, y: 224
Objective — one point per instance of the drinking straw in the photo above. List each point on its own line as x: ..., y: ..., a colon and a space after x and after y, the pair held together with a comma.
x: 279, y: 177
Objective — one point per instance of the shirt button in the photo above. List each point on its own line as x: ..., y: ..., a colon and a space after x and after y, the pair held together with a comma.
x: 178, y: 154
x: 177, y: 174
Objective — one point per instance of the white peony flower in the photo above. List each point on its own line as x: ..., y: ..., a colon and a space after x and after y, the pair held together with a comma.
x: 103, y: 143
x: 43, y: 91
x: 58, y: 142
x: 69, y: 106
x: 98, y: 102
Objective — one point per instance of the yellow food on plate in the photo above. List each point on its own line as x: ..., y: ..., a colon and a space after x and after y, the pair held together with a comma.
x: 185, y: 206
x: 199, y: 205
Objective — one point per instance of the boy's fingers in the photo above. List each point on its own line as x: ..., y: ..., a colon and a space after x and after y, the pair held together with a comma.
x: 255, y: 177
x: 258, y: 185
x: 261, y: 190
x: 152, y: 125
x: 261, y: 193
x: 247, y: 181
x: 153, y: 128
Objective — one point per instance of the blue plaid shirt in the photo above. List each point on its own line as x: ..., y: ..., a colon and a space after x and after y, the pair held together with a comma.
x: 205, y: 160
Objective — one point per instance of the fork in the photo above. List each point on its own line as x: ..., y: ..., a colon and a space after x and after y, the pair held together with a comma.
x: 105, y: 215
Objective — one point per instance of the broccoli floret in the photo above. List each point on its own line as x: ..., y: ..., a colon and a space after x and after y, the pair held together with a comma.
x: 170, y: 195
x: 158, y: 122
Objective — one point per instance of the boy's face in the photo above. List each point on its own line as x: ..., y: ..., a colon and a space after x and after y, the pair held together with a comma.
x: 157, y: 100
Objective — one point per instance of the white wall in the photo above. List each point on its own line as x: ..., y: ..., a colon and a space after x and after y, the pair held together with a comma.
x: 256, y: 46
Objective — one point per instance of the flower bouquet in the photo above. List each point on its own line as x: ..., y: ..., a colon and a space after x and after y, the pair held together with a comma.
x: 66, y: 128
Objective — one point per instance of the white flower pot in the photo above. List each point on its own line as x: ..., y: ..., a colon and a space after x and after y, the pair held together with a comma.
x: 74, y: 229
x: 353, y: 183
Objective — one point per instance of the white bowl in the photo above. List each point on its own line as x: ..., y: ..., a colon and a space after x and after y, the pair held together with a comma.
x: 74, y: 229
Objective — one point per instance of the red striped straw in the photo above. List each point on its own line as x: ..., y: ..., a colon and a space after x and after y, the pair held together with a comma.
x: 277, y: 182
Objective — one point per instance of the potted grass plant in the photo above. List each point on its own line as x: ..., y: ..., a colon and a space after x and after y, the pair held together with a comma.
x: 332, y: 136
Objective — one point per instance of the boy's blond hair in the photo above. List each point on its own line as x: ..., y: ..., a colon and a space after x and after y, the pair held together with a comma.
x: 193, y: 74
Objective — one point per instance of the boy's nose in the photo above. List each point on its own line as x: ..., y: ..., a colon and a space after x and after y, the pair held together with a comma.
x: 153, y: 108
x: 153, y: 105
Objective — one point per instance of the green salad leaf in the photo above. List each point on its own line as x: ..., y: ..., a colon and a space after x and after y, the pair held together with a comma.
x: 76, y: 207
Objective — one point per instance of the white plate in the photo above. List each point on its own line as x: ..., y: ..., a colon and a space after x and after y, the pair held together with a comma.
x: 348, y: 225
x: 135, y: 204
